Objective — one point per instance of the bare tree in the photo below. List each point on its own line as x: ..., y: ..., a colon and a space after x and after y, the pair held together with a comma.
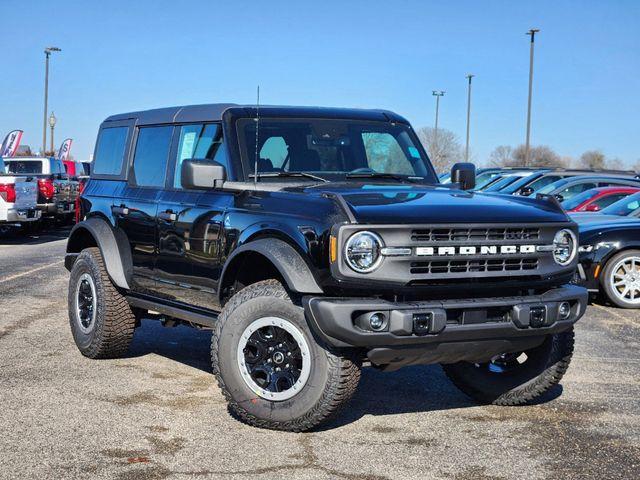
x: 444, y: 149
x: 539, y: 156
x: 593, y: 159
x: 502, y: 155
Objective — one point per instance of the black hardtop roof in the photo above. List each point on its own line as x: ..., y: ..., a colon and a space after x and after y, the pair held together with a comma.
x: 214, y: 112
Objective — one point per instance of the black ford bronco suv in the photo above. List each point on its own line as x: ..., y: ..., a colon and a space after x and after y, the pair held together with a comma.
x: 313, y: 241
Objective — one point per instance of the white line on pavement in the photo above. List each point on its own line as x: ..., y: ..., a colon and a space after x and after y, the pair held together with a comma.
x: 18, y: 275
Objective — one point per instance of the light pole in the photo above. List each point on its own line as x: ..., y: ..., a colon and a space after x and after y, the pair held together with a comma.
x: 531, y: 33
x: 52, y: 124
x: 437, y: 94
x: 47, y: 54
x: 466, y: 150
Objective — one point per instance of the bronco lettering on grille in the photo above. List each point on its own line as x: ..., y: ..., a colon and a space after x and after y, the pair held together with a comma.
x: 471, y: 250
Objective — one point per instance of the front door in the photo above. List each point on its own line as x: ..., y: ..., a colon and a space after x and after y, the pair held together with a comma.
x: 190, y: 224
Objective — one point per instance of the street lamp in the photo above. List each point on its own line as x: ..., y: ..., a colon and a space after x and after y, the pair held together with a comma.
x: 47, y: 54
x: 437, y: 94
x: 532, y: 33
x: 466, y: 150
x: 52, y: 124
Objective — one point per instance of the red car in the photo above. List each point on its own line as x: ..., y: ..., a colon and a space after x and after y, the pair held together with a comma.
x: 596, y: 199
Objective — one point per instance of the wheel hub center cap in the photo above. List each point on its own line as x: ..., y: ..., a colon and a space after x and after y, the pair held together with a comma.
x: 278, y: 357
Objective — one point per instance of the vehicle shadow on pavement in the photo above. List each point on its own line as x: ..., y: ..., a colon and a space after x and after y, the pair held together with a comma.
x: 408, y: 390
x: 46, y: 235
x: 182, y: 344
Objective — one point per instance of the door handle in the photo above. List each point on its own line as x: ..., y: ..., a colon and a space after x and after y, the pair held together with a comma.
x: 168, y: 216
x: 121, y: 210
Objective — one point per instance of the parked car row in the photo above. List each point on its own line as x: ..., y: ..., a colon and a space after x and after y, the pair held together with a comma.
x: 606, y: 206
x: 34, y: 189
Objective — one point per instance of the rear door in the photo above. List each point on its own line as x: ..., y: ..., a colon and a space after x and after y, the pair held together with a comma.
x: 135, y: 211
x: 190, y: 223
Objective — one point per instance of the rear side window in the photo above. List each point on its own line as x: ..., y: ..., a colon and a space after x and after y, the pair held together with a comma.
x: 152, y: 153
x: 109, y: 155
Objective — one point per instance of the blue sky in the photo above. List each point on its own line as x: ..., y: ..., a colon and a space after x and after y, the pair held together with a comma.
x: 122, y: 56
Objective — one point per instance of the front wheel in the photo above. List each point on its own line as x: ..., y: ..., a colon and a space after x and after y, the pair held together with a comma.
x: 269, y: 367
x: 515, y: 378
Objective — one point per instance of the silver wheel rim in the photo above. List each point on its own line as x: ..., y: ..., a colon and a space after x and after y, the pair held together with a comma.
x: 86, y: 303
x: 277, y: 355
x: 625, y: 280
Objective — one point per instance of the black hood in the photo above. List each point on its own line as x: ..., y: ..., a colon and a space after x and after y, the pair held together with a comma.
x: 389, y: 204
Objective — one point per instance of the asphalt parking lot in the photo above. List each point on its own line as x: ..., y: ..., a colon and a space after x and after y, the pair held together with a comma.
x: 158, y: 413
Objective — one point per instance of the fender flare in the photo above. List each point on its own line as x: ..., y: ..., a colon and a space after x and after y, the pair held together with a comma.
x: 284, y: 257
x: 113, y: 245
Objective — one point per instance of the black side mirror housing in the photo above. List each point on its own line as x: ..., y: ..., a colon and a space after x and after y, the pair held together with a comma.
x: 526, y: 191
x: 202, y: 174
x: 465, y: 175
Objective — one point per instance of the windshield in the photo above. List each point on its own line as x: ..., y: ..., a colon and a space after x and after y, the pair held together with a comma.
x: 626, y: 206
x: 551, y: 187
x: 502, y: 183
x: 573, y: 202
x: 22, y: 166
x: 334, y: 149
x: 484, y: 178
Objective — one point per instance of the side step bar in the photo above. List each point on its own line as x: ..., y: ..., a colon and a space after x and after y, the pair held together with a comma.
x: 174, y: 312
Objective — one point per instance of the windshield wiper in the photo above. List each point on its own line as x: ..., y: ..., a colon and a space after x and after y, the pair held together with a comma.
x: 391, y: 176
x: 289, y: 174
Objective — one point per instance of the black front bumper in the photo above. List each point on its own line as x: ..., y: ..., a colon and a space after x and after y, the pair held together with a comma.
x: 453, y: 330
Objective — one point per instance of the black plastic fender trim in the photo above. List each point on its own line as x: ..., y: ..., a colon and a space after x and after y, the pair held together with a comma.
x: 113, y: 245
x: 285, y: 258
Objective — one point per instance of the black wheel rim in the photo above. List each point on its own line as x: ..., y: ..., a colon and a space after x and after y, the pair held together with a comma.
x: 86, y: 302
x: 274, y: 358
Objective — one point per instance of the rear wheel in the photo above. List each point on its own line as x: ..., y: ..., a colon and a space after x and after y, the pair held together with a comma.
x: 101, y: 319
x: 621, y: 279
x: 515, y: 378
x: 269, y: 367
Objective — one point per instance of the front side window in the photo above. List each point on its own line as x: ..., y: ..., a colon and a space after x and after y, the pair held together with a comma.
x: 199, y: 141
x: 334, y: 149
x: 575, y: 189
x: 110, y: 151
x: 152, y: 153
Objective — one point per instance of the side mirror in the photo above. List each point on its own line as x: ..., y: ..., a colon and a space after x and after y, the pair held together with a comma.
x: 202, y: 174
x: 526, y: 191
x: 559, y: 197
x: 592, y: 208
x: 465, y: 175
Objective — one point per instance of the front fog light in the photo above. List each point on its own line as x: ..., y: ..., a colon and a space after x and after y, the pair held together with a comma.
x: 376, y: 321
x: 362, y: 252
x: 564, y: 310
x: 564, y: 247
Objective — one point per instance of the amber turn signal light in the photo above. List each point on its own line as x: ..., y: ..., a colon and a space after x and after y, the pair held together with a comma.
x: 333, y: 249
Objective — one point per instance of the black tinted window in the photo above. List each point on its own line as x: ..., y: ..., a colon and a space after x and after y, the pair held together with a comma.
x: 198, y: 141
x: 20, y: 166
x: 110, y: 151
x: 152, y: 152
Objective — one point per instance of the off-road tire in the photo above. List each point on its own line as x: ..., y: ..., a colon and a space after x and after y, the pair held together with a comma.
x: 527, y: 384
x: 114, y: 323
x: 605, y: 279
x: 332, y: 381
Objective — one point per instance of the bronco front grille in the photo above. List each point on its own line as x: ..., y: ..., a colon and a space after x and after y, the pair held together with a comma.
x: 474, y: 234
x: 474, y: 265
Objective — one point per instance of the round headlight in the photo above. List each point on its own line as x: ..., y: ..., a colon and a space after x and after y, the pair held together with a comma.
x: 362, y: 252
x: 564, y: 247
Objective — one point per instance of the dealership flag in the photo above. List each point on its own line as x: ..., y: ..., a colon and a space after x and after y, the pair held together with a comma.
x: 11, y: 144
x: 65, y: 149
